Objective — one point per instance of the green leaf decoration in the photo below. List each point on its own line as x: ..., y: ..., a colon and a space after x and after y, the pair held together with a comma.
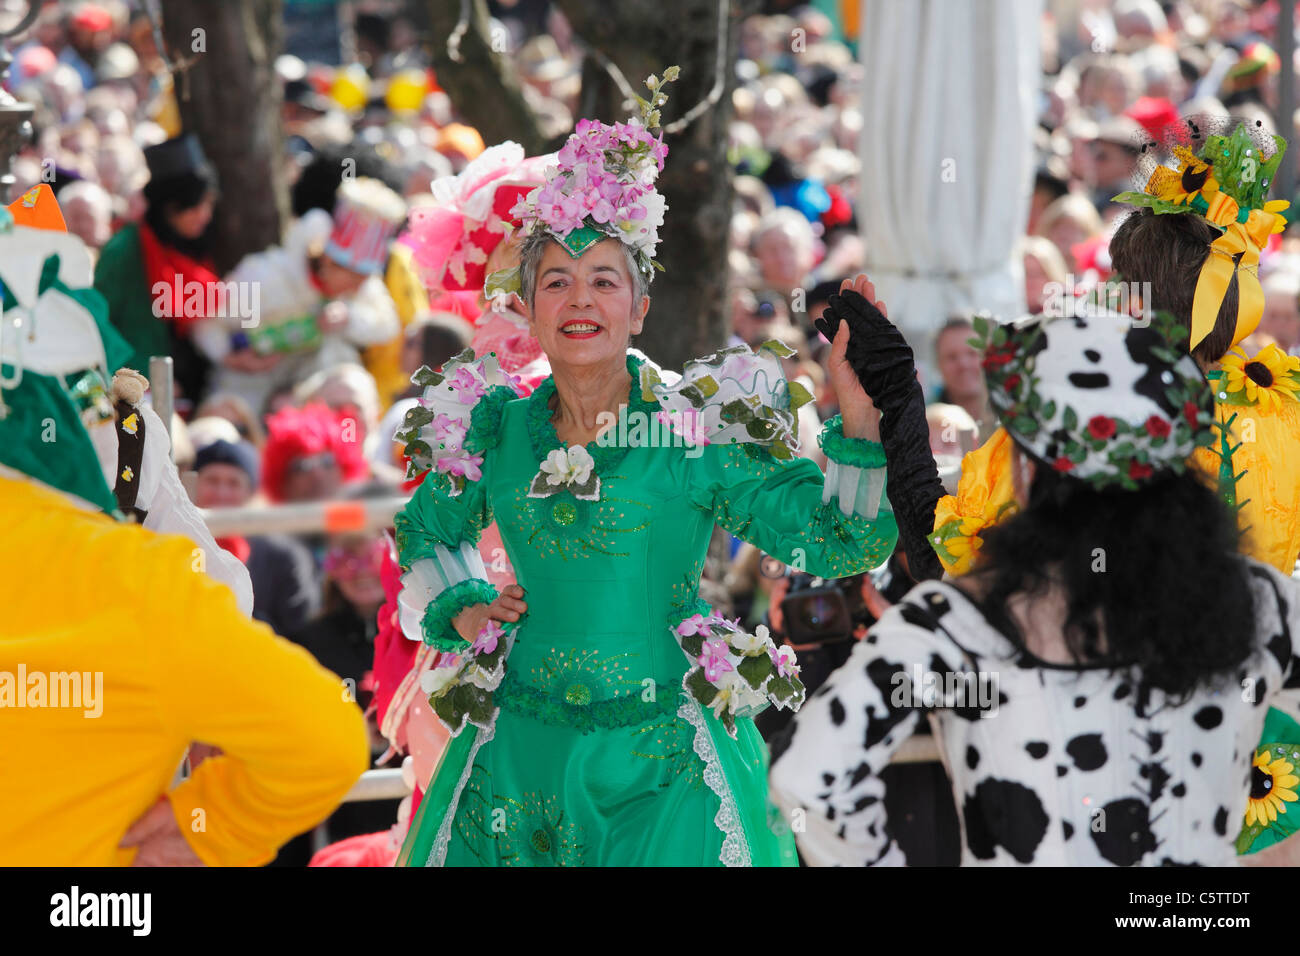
x: 418, y: 449
x: 1069, y: 419
x: 649, y: 378
x: 781, y: 450
x: 781, y: 688
x: 799, y: 396
x: 693, y: 395
x: 755, y: 669
x: 502, y: 281
x: 426, y: 377
x: 417, y: 417
x: 699, y: 686
x: 480, y: 705
x: 692, y: 644
x: 1154, y: 203
x: 588, y: 490
x: 1049, y: 411
x: 737, y: 412
x: 777, y: 347
x: 1025, y: 425
x: 707, y: 385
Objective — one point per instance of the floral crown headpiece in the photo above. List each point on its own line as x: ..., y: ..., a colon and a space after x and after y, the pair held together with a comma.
x: 603, y: 186
x: 1227, y: 184
x: 1106, y: 399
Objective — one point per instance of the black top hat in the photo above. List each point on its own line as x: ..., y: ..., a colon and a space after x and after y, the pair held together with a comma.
x: 177, y: 157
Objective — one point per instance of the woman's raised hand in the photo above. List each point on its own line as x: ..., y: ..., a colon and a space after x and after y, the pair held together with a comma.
x: 508, y: 607
x: 861, y: 418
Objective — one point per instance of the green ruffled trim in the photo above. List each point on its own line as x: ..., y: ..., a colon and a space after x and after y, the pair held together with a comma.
x: 436, y: 623
x: 857, y: 452
x: 541, y: 430
x: 519, y: 697
x: 680, y: 612
x: 484, y: 430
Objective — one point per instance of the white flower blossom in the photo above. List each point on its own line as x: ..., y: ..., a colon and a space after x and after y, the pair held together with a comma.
x: 435, y: 682
x: 572, y: 467
x: 750, y: 645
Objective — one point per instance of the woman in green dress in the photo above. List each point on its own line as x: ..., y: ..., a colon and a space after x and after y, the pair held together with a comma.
x: 600, y: 711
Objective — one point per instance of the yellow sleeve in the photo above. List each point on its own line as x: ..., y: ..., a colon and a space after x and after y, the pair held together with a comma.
x: 294, y: 742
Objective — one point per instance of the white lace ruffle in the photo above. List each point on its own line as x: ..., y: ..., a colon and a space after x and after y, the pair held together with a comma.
x: 735, y: 847
x: 429, y: 577
x: 438, y: 855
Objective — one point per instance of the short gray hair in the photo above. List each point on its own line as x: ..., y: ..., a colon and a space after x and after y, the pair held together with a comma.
x: 530, y: 260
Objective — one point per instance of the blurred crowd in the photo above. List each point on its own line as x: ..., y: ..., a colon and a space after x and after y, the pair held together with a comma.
x: 311, y: 419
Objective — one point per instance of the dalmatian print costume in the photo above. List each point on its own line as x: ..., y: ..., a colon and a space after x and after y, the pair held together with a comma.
x: 1062, y: 766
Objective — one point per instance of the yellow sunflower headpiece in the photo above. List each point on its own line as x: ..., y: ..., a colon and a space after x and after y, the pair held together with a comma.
x: 1267, y: 380
x: 1227, y: 184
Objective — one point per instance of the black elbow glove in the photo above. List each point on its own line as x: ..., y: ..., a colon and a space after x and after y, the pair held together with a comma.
x: 886, y: 368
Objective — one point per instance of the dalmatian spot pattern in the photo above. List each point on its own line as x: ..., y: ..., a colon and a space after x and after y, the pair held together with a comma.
x: 1076, y: 751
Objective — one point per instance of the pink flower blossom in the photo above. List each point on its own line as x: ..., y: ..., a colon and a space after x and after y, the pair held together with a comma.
x: 714, y: 660
x: 467, y: 465
x: 448, y: 430
x: 695, y: 624
x: 784, y: 659
x: 488, y: 635
x: 467, y: 385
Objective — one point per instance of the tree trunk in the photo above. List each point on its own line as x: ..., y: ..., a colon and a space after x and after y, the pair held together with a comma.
x: 482, y: 83
x: 688, y: 311
x: 230, y: 98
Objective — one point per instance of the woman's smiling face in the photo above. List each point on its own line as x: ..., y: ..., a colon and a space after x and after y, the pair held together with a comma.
x: 585, y: 310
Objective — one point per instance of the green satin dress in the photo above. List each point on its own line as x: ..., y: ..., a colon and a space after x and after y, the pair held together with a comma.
x: 596, y: 756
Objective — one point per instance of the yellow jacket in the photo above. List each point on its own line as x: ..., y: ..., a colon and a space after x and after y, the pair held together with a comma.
x: 1269, y: 456
x: 177, y: 663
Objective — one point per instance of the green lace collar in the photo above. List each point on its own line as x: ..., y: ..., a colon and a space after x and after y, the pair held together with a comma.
x: 541, y: 430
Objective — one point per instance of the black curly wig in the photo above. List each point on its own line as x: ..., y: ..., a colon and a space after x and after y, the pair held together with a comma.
x: 1174, y: 599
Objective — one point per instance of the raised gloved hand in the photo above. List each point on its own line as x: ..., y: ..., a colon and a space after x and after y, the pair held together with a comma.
x: 885, y: 366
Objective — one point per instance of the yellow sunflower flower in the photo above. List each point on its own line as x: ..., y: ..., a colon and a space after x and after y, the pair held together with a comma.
x: 1271, y: 784
x: 1268, y: 379
x: 1193, y: 178
x: 961, y: 547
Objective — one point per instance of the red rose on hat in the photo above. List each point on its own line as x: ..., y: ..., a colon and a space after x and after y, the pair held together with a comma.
x: 1158, y: 427
x: 1011, y: 382
x: 1137, y: 471
x: 1063, y: 464
x: 1190, y: 411
x: 1099, y: 426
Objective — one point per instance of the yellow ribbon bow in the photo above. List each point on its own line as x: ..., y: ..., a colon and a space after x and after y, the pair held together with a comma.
x: 1244, y: 239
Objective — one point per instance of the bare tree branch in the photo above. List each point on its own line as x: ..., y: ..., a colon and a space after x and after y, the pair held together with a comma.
x: 482, y: 82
